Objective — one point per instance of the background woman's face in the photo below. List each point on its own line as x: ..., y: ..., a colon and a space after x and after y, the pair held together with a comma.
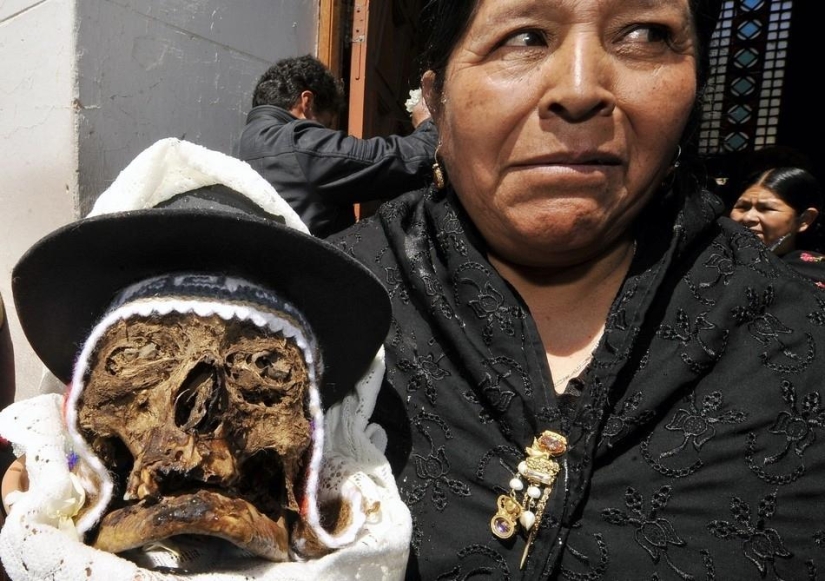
x: 559, y: 119
x: 767, y: 215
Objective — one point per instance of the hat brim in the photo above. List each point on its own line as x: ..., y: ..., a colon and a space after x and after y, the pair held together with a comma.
x: 66, y: 281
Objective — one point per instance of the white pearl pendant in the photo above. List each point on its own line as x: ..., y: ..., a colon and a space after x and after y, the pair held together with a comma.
x: 527, y: 519
x: 516, y: 485
x: 533, y: 492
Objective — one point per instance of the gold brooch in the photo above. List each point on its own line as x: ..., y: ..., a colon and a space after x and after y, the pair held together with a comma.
x: 539, y: 470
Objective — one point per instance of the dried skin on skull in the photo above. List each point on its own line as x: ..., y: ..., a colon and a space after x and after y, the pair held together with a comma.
x: 178, y: 403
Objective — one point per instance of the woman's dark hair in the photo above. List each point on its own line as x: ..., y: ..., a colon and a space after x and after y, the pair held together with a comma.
x: 445, y: 22
x: 282, y: 84
x: 797, y: 187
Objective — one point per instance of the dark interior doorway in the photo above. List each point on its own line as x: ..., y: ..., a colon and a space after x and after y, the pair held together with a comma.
x: 801, y: 120
x: 374, y: 50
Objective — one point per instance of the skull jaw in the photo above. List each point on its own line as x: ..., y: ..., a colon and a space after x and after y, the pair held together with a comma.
x: 200, y: 513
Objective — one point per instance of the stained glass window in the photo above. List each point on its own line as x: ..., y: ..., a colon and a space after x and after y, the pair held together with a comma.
x: 748, y: 55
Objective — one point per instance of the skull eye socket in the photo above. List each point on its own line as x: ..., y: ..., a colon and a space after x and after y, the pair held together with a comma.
x: 267, y: 375
x: 261, y: 377
x: 271, y: 365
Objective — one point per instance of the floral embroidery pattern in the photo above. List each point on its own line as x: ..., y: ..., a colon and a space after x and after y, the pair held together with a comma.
x: 498, y: 388
x: 686, y: 332
x: 496, y: 396
x: 394, y: 284
x: 653, y: 533
x: 767, y: 329
x: 508, y: 457
x: 451, y: 235
x: 697, y: 423
x: 618, y: 423
x: 478, y: 562
x: 434, y: 468
x: 424, y: 372
x: 819, y: 538
x: 762, y: 545
x: 722, y: 262
x: 798, y: 423
x: 818, y: 317
x: 392, y: 210
x: 763, y: 326
x: 485, y: 301
x: 597, y: 567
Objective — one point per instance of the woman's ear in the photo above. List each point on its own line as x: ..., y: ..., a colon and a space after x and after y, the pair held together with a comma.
x: 430, y: 95
x: 807, y: 218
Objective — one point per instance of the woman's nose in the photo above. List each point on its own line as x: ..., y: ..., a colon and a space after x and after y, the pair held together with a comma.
x: 749, y: 218
x: 578, y: 79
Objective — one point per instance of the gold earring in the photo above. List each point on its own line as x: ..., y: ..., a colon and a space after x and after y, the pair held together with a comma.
x: 439, y: 179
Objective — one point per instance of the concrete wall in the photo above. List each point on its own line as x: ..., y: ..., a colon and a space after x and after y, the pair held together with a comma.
x: 38, y: 142
x: 174, y: 68
x: 85, y: 86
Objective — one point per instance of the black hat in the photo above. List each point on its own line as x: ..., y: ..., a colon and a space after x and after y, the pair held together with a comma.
x: 189, y: 209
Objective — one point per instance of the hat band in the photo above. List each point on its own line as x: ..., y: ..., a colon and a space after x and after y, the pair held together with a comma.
x: 211, y: 287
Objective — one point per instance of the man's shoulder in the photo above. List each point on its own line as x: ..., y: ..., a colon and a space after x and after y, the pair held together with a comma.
x: 266, y: 132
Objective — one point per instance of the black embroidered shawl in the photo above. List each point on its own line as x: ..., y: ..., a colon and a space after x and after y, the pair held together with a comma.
x: 696, y: 445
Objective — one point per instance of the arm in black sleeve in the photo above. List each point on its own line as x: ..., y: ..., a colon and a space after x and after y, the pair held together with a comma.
x: 336, y: 167
x: 350, y: 170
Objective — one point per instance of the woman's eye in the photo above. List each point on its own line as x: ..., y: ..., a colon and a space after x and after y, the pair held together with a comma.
x: 651, y: 33
x: 525, y: 38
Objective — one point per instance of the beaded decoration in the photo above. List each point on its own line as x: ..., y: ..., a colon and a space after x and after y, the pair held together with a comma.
x: 526, y: 503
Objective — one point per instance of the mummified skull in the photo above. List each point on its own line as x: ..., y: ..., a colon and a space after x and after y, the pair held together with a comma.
x: 204, y: 424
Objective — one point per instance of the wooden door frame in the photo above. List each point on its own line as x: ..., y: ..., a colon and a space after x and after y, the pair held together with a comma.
x: 330, y: 52
x: 330, y: 41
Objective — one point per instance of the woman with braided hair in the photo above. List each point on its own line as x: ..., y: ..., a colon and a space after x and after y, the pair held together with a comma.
x: 781, y: 205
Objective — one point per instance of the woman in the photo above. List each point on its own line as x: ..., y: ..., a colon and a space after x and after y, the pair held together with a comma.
x: 590, y: 375
x: 781, y: 206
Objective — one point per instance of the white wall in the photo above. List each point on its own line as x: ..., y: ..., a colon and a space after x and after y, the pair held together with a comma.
x: 145, y: 70
x: 38, y: 142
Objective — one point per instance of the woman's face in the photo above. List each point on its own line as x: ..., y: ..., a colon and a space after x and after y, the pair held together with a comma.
x: 559, y: 119
x: 769, y: 216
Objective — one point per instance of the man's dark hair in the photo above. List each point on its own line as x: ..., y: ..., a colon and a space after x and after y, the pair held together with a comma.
x: 282, y: 84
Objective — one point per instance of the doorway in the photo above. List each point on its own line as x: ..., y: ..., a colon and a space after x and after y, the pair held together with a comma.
x: 373, y: 45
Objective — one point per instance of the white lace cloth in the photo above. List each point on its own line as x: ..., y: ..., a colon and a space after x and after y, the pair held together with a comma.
x: 39, y: 540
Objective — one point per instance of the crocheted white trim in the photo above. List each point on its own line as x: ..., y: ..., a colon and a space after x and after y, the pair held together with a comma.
x: 39, y: 539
